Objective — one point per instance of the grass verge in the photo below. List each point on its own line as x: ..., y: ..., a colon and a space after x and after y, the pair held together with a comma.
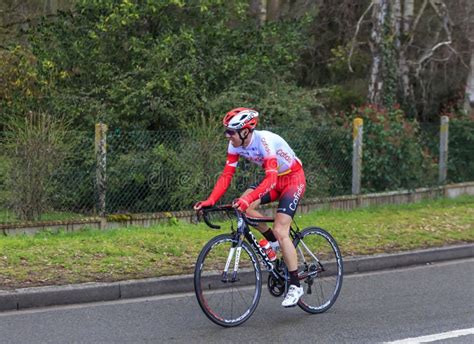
x: 91, y: 255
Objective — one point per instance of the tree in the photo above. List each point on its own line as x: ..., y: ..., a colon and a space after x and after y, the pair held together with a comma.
x: 377, y: 46
x: 403, y: 20
x: 469, y: 99
x: 409, y: 41
x: 469, y: 103
x: 156, y: 64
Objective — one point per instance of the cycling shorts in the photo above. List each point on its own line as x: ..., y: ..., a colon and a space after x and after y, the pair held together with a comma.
x: 289, y: 190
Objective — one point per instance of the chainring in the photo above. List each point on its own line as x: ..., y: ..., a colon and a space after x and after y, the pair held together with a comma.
x: 275, y: 286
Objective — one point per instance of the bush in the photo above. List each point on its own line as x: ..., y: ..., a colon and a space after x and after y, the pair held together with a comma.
x: 393, y: 157
x: 460, y: 150
x: 4, y: 168
x: 35, y: 146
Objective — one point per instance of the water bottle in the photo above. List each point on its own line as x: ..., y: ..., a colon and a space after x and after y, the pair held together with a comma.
x: 268, y: 249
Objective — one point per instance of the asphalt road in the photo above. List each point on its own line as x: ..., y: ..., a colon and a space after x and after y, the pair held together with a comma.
x: 374, y: 307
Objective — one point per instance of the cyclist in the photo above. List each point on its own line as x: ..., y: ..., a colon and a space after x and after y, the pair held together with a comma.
x: 284, y: 180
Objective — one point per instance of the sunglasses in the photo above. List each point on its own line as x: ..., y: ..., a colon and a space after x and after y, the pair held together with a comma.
x: 230, y: 132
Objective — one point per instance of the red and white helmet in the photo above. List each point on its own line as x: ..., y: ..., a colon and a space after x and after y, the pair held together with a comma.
x: 241, y: 118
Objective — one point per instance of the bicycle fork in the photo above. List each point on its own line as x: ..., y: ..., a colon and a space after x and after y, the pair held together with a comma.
x: 234, y: 251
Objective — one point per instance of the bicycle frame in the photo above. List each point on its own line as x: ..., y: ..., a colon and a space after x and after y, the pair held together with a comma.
x: 243, y: 231
x: 268, y: 263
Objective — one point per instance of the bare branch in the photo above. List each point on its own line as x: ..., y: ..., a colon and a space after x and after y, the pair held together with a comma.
x: 355, y: 35
x: 459, y: 56
x: 429, y: 54
x: 441, y: 10
x: 415, y: 23
x: 443, y: 15
x: 446, y: 59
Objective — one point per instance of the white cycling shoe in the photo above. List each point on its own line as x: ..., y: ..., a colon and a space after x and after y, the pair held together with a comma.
x: 293, y: 296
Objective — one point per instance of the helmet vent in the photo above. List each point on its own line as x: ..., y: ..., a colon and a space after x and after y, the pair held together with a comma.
x: 243, y: 117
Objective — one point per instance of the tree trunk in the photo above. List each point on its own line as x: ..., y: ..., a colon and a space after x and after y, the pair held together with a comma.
x: 397, y: 20
x: 258, y: 8
x: 376, y: 83
x: 408, y: 12
x: 273, y: 10
x: 469, y: 104
x: 469, y: 98
x: 403, y: 66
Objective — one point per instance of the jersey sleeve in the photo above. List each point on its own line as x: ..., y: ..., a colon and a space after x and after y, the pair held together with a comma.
x: 225, y: 178
x: 268, y: 183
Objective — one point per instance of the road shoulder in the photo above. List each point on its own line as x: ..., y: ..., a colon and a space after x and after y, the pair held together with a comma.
x: 94, y: 292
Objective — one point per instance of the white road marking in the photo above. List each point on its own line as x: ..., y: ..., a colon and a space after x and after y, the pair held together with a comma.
x: 434, y: 337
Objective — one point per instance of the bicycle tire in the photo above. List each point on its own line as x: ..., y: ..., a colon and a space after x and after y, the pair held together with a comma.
x: 324, y: 275
x: 227, y: 303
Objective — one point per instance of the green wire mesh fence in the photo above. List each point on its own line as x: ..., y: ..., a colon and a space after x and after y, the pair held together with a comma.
x: 154, y: 171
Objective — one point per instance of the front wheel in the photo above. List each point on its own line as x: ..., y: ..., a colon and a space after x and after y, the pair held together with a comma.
x: 320, y: 269
x: 226, y: 298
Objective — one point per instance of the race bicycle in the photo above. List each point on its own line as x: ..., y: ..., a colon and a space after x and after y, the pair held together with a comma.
x: 228, y: 274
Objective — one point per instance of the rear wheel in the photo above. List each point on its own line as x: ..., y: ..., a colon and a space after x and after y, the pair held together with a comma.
x: 320, y: 269
x: 227, y: 300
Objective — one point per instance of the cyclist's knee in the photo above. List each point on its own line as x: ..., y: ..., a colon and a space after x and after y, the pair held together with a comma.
x: 280, y: 234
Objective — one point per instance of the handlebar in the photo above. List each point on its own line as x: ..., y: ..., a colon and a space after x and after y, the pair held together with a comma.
x: 227, y: 208
x: 206, y: 210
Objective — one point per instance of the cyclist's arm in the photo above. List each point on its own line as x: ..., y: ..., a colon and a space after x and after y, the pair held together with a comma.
x: 225, y: 178
x: 268, y: 183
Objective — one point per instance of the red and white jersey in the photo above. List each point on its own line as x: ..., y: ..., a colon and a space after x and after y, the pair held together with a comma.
x: 265, y: 145
x: 265, y: 149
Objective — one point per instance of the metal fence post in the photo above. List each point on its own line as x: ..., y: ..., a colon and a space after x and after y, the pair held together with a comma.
x: 358, y: 126
x: 443, y: 149
x: 100, y: 176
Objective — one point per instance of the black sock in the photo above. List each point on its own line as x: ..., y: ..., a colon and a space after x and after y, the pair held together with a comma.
x: 294, y: 278
x: 269, y: 235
